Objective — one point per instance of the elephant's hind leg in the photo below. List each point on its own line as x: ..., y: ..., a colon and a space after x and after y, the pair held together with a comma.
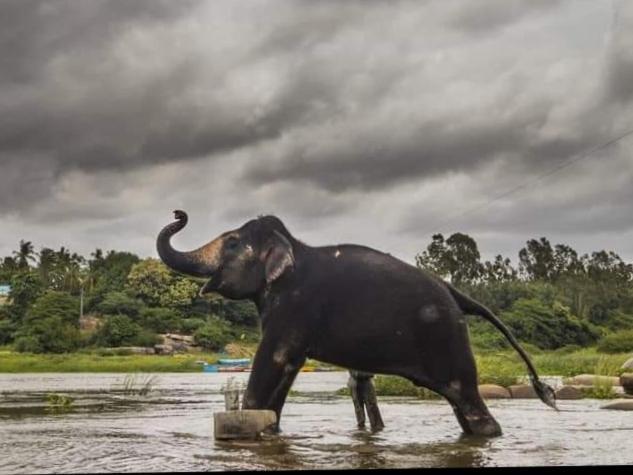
x: 471, y: 411
x: 469, y: 408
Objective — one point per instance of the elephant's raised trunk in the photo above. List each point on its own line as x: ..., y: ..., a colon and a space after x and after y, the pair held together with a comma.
x: 201, y: 262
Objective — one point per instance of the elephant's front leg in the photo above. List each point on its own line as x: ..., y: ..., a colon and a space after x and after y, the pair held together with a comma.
x: 275, y: 367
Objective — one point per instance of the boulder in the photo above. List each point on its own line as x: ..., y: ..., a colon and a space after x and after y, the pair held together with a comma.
x: 620, y: 404
x: 569, y: 392
x: 592, y: 379
x: 244, y: 424
x: 164, y: 349
x: 522, y: 391
x: 493, y: 391
x: 628, y: 365
x: 626, y: 381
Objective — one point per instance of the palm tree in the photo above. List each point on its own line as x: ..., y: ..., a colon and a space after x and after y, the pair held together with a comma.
x: 25, y: 254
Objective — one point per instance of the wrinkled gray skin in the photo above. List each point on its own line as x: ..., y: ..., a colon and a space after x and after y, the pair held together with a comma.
x: 347, y: 305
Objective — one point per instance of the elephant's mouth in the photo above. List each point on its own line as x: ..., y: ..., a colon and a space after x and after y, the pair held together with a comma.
x: 211, y: 285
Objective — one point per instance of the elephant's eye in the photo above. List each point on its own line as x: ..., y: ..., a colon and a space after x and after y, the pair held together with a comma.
x: 232, y: 242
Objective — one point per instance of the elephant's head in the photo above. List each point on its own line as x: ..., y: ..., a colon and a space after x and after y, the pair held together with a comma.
x: 238, y: 263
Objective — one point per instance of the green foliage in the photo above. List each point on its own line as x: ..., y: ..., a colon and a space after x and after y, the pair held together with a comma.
x: 151, y: 281
x: 618, y: 342
x: 26, y: 286
x: 214, y: 334
x: 54, y: 304
x: 48, y: 335
x: 456, y: 258
x: 120, y: 303
x: 57, y: 403
x: 547, y: 327
x: 118, y: 330
x: 109, y: 273
x: 237, y: 312
x: 7, y: 328
x: 161, y: 320
x: 190, y: 325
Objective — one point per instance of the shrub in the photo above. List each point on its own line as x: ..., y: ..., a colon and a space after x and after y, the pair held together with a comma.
x: 190, y: 325
x: 48, y: 335
x: 548, y: 327
x: 118, y: 330
x: 6, y: 331
x: 618, y: 342
x: 27, y: 344
x: 119, y: 303
x: 161, y: 320
x: 54, y: 304
x: 213, y: 335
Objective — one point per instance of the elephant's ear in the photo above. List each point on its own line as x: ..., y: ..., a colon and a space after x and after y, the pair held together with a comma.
x: 279, y: 257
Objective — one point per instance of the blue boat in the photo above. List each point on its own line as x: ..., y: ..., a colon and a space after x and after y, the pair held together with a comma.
x: 235, y: 361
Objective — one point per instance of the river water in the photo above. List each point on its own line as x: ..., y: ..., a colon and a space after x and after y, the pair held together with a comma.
x: 171, y: 429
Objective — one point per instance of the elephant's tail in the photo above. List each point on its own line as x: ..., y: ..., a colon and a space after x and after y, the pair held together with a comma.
x: 471, y: 306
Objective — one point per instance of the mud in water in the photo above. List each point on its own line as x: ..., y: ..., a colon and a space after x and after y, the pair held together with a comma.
x: 171, y: 429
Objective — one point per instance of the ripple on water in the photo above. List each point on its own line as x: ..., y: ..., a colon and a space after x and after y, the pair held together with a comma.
x: 172, y: 430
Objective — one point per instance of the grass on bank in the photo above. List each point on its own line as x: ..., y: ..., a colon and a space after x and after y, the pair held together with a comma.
x: 506, y: 367
x: 94, y: 363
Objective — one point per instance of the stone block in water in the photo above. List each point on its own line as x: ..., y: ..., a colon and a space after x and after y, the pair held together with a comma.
x: 626, y: 381
x: 522, y: 391
x: 620, y: 404
x: 244, y: 424
x: 493, y: 391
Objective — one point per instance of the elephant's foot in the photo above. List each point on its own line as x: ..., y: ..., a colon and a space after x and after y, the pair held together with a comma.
x: 482, y: 426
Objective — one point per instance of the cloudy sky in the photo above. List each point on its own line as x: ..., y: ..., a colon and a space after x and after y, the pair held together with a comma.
x: 371, y: 122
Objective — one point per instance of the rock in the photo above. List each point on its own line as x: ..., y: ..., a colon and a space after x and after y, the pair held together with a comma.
x: 245, y: 424
x: 164, y: 349
x: 620, y: 404
x: 492, y: 391
x: 522, y: 391
x: 592, y: 379
x: 628, y: 365
x: 626, y: 381
x: 569, y: 392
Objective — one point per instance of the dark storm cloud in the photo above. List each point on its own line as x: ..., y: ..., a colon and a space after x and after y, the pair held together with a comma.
x: 619, y: 86
x: 328, y: 113
x: 483, y: 17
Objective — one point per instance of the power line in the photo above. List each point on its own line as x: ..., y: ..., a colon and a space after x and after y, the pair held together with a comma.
x: 559, y: 167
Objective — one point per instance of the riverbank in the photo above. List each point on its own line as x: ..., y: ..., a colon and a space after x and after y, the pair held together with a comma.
x: 94, y: 363
x: 500, y: 368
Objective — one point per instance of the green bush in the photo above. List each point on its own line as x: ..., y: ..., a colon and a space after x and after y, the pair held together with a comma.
x: 547, y: 327
x: 7, y: 328
x: 48, y: 335
x: 190, y: 325
x: 161, y: 320
x: 27, y: 344
x: 118, y: 330
x: 120, y: 303
x: 54, y: 304
x: 213, y: 335
x: 618, y: 342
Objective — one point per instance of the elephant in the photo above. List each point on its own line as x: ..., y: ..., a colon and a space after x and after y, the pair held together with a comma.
x: 346, y: 305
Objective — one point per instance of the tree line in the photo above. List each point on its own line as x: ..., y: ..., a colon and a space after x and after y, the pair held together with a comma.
x: 554, y: 298
x: 131, y: 300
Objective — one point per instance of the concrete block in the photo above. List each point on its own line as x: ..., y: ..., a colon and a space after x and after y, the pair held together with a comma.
x: 569, y: 392
x: 244, y: 424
